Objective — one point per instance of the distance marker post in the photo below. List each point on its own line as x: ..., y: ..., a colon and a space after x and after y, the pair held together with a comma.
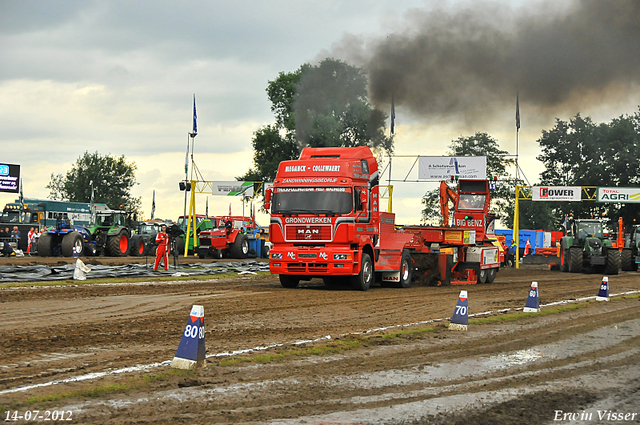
x: 460, y: 319
x: 191, y: 351
x: 603, y: 294
x: 533, y: 300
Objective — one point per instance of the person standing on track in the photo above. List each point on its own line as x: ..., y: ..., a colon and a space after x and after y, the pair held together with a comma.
x: 162, y: 252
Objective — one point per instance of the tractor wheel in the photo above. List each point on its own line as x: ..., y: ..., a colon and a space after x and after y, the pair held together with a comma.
x: 626, y: 260
x: 491, y: 275
x: 613, y: 262
x: 575, y: 259
x: 118, y: 246
x: 564, y: 260
x: 406, y: 270
x: 137, y: 246
x: 240, y: 248
x: 482, y: 275
x: 45, y: 245
x: 288, y: 281
x: 69, y: 242
x: 362, y: 281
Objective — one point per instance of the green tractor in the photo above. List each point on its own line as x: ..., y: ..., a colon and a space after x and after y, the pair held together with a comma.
x: 111, y: 233
x: 630, y: 255
x: 585, y: 248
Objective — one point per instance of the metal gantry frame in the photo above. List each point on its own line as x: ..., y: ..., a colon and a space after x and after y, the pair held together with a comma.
x: 524, y: 193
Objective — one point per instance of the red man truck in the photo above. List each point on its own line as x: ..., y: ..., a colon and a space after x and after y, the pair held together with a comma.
x: 326, y: 223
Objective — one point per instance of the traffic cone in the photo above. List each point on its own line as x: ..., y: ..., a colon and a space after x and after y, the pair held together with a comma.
x: 191, y: 351
x: 533, y: 301
x: 460, y: 319
x: 603, y: 294
x: 527, y: 248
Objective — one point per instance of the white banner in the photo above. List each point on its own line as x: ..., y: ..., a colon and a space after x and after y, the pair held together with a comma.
x: 556, y: 193
x: 625, y: 195
x: 443, y: 167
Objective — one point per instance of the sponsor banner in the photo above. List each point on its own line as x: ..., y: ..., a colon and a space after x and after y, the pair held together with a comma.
x: 9, y: 178
x: 619, y: 194
x: 556, y: 193
x: 443, y: 167
x: 232, y: 188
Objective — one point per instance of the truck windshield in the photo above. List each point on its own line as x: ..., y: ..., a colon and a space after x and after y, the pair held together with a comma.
x: 591, y: 230
x: 470, y: 201
x: 312, y: 200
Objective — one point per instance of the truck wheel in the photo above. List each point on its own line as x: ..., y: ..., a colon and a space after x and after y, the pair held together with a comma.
x: 626, y: 260
x: 482, y: 275
x: 118, y: 246
x: 70, y: 241
x: 362, y: 281
x: 491, y: 275
x: 613, y: 262
x: 575, y: 259
x: 564, y: 260
x: 288, y: 281
x: 45, y: 245
x: 240, y: 248
x: 137, y: 246
x: 406, y: 270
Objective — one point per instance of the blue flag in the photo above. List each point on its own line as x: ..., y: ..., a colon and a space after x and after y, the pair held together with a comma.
x: 195, y: 116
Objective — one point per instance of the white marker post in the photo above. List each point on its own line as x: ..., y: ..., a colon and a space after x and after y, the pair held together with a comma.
x: 460, y: 319
x: 533, y: 301
x: 603, y: 294
x: 191, y: 351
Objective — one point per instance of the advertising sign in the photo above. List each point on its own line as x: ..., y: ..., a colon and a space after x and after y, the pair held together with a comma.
x: 232, y: 188
x: 624, y: 195
x: 9, y: 178
x: 556, y: 193
x: 443, y: 167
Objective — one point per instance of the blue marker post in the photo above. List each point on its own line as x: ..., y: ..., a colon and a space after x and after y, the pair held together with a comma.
x: 603, y: 294
x: 460, y: 319
x: 191, y: 351
x: 533, y: 301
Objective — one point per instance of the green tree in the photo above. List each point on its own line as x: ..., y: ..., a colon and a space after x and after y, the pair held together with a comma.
x: 323, y: 105
x: 502, y: 198
x: 583, y: 153
x: 110, y: 177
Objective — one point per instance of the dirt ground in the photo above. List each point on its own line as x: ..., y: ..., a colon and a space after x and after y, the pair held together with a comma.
x: 320, y: 355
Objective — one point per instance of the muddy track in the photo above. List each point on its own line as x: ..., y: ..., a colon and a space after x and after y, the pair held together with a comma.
x: 61, y: 332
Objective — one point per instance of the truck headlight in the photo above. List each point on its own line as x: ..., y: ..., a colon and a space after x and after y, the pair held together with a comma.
x: 276, y: 255
x: 342, y: 256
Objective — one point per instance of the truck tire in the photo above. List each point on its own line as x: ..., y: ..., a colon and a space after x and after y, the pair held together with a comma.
x: 612, y: 265
x: 564, y: 260
x: 240, y: 247
x: 118, y: 245
x: 575, y: 259
x: 626, y: 260
x: 71, y: 240
x: 137, y: 246
x: 482, y: 276
x: 45, y: 245
x: 491, y: 275
x: 362, y: 281
x: 288, y: 281
x: 406, y: 270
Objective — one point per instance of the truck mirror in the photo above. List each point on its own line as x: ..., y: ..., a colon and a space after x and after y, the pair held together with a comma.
x: 363, y: 197
x: 267, y: 199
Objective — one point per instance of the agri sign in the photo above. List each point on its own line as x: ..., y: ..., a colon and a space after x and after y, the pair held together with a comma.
x: 619, y: 195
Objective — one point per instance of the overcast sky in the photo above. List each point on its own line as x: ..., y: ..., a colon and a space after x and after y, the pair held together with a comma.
x: 118, y: 77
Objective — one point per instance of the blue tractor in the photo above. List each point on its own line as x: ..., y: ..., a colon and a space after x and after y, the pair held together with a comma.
x: 66, y: 239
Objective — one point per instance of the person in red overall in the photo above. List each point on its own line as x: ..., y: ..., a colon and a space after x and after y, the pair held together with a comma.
x: 162, y: 252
